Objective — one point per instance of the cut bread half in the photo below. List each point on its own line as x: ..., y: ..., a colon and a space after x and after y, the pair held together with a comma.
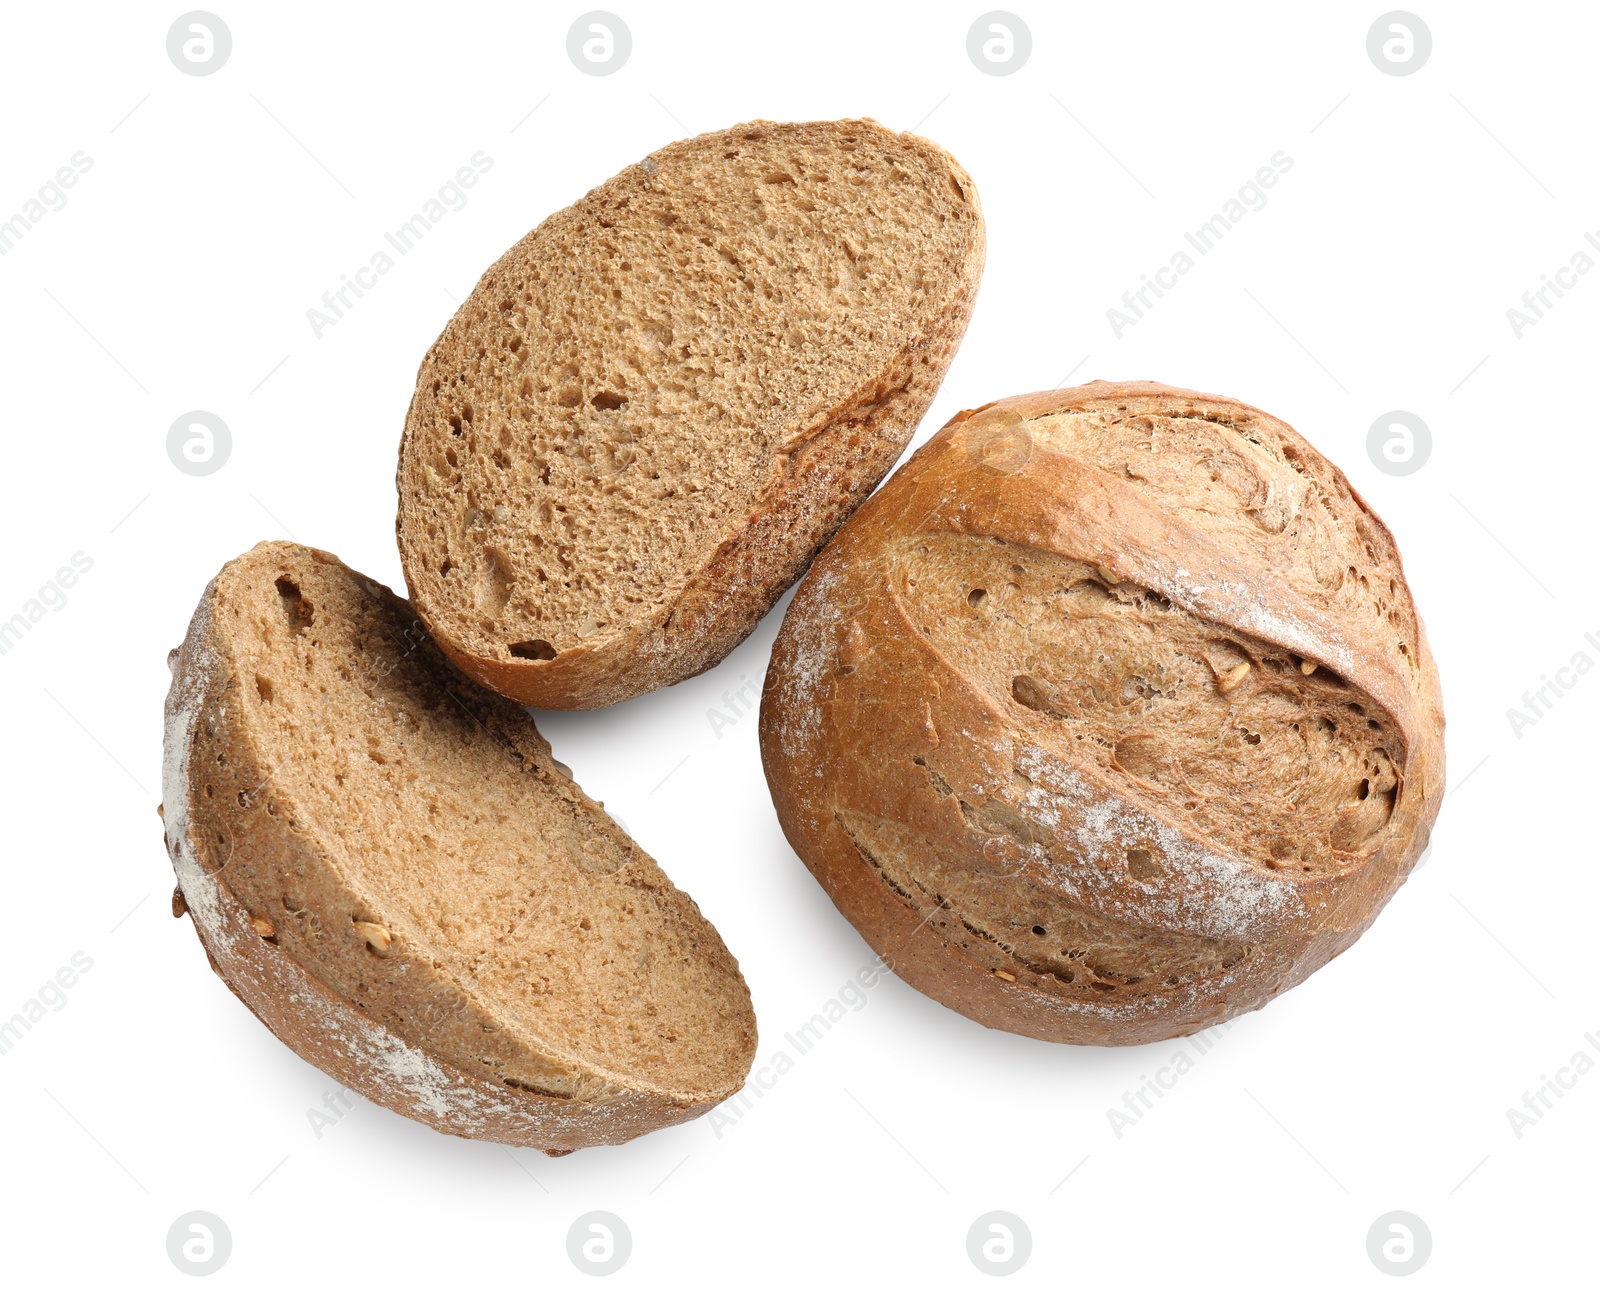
x: 385, y: 864
x: 659, y: 405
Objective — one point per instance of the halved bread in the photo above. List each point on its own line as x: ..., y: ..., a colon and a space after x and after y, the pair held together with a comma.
x: 659, y: 405
x: 385, y: 864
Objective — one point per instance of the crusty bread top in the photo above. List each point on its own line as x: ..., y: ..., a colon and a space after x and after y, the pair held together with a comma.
x: 1110, y: 715
x: 404, y: 838
x: 609, y: 405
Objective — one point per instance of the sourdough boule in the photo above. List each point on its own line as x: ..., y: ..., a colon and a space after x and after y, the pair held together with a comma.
x: 1109, y: 717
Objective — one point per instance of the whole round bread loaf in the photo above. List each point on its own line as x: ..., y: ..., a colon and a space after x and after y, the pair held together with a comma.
x: 1109, y: 717
x: 656, y: 407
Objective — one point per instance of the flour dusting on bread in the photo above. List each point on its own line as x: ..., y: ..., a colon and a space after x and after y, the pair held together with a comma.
x: 1109, y: 717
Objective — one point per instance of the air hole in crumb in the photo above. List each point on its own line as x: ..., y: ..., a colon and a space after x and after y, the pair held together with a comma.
x: 1365, y: 790
x: 295, y: 606
x: 1031, y: 694
x: 537, y: 650
x: 606, y: 401
x: 975, y: 596
x: 1038, y: 930
x: 264, y: 689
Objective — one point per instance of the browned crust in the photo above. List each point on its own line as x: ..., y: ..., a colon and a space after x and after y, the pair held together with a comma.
x: 347, y: 1040
x: 873, y: 716
x: 829, y: 466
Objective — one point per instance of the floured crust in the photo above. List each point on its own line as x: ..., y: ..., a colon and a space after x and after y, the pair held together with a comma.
x: 827, y: 463
x: 408, y: 1073
x: 1035, y: 881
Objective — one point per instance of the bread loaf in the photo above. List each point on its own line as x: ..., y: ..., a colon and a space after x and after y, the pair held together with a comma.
x: 1109, y: 717
x: 385, y: 864
x: 657, y: 406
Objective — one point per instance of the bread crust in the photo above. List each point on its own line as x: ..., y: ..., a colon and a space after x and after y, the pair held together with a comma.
x: 823, y: 470
x: 359, y: 1042
x: 861, y: 710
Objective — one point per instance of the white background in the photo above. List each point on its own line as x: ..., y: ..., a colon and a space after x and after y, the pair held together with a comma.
x: 1378, y: 277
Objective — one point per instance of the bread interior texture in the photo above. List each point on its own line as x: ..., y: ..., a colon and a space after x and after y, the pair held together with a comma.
x: 615, y: 397
x: 562, y: 959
